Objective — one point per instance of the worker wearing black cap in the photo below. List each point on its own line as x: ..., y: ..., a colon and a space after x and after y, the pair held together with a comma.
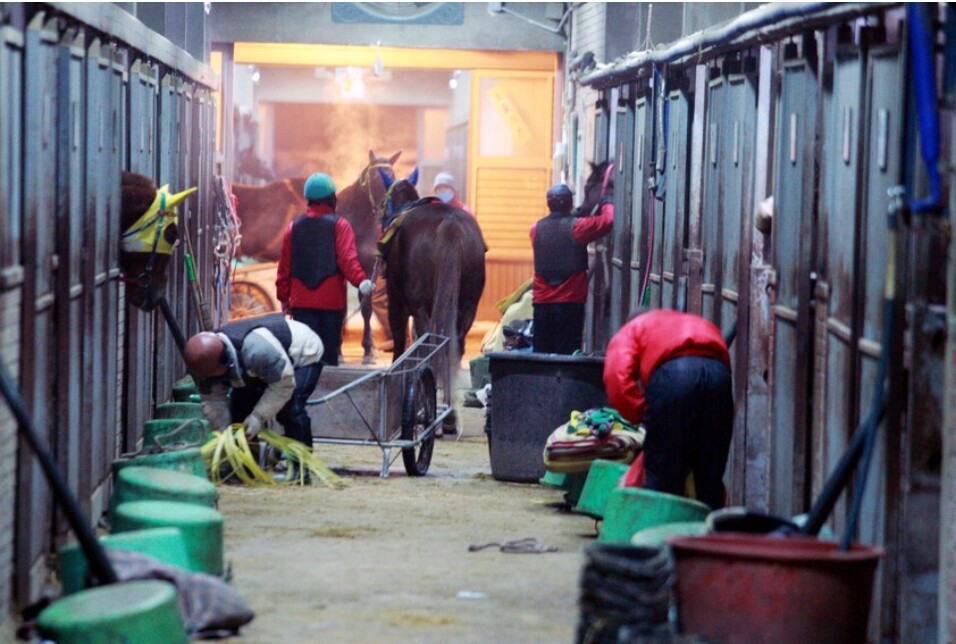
x: 561, y: 269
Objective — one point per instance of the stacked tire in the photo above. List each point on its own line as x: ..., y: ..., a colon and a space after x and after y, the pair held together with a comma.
x: 626, y: 593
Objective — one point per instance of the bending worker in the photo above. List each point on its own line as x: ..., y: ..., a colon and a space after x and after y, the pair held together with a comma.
x: 318, y: 256
x: 255, y: 370
x: 671, y: 370
x: 560, y: 242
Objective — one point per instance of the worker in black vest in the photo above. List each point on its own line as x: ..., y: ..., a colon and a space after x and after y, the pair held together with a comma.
x: 257, y: 369
x: 560, y: 289
x: 318, y: 256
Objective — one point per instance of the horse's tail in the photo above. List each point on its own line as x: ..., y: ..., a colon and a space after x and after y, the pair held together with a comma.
x: 447, y: 285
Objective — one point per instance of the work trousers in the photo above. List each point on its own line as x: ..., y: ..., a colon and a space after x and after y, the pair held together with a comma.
x: 294, y: 415
x: 689, y: 422
x: 558, y: 328
x: 327, y: 324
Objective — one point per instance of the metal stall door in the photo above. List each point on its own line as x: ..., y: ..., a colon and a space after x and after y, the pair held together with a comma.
x: 71, y: 433
x: 140, y: 331
x: 101, y: 232
x: 211, y: 280
x: 733, y: 166
x: 640, y: 170
x: 203, y: 213
x: 39, y: 298
x: 673, y: 188
x: 11, y: 287
x: 834, y: 376
x: 118, y: 150
x: 652, y: 277
x: 596, y: 312
x: 622, y: 235
x: 171, y: 171
x: 712, y: 195
x: 794, y: 184
x: 883, y: 516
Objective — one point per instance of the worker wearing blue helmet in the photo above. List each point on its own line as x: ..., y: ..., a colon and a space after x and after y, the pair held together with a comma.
x: 318, y: 256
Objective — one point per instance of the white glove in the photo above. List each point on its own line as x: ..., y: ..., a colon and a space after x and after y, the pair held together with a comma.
x: 253, y: 425
x: 217, y: 413
x: 365, y: 288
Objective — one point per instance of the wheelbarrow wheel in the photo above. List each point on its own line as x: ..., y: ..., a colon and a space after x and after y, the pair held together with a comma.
x: 418, y: 413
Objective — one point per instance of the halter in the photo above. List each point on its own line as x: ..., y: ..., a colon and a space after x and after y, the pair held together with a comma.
x: 365, y: 180
x: 147, y: 233
x: 389, y: 215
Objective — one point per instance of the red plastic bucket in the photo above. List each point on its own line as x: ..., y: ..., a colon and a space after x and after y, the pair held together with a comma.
x: 735, y: 587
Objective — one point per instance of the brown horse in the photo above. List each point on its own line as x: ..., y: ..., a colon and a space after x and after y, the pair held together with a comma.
x: 435, y: 270
x: 149, y: 234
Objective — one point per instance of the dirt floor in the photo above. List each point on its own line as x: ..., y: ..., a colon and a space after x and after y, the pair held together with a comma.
x: 387, y: 560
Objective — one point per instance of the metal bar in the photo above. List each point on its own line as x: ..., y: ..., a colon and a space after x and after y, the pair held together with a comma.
x: 121, y: 25
x: 766, y: 23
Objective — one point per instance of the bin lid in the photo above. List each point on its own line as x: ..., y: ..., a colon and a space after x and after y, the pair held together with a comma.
x: 550, y: 358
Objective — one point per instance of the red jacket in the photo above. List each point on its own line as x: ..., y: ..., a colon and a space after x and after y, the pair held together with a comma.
x: 330, y: 294
x: 645, y: 342
x: 458, y: 203
x: 574, y: 289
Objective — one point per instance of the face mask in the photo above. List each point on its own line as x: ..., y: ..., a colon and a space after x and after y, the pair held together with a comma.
x: 445, y: 195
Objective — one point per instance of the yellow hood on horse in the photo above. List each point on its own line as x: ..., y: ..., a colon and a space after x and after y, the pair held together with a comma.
x: 146, y: 235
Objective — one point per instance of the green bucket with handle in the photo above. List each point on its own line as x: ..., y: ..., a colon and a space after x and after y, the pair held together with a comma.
x: 170, y: 432
x: 189, y: 461
x: 602, y: 479
x: 630, y: 510
x: 142, y: 611
x: 179, y: 410
x: 202, y: 528
x: 163, y: 544
x: 139, y: 483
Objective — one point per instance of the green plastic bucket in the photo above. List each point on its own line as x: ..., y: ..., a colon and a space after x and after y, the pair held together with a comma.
x: 630, y: 510
x: 602, y: 479
x: 658, y: 535
x: 202, y: 528
x: 140, y: 483
x: 179, y: 410
x: 574, y: 484
x: 164, y: 432
x: 183, y: 389
x: 188, y: 461
x: 163, y: 544
x: 553, y: 479
x: 143, y: 611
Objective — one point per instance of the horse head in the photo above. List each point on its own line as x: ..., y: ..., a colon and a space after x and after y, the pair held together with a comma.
x: 374, y: 177
x: 598, y: 183
x: 150, y: 233
x: 399, y: 195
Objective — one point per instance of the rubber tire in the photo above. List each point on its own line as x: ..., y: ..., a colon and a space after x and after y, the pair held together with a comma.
x: 247, y: 299
x: 418, y: 412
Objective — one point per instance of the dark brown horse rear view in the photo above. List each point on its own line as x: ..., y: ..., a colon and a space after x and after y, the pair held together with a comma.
x: 435, y: 269
x: 435, y: 272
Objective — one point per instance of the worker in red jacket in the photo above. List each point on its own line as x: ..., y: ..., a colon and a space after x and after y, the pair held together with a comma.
x: 671, y: 371
x: 318, y: 256
x: 560, y: 243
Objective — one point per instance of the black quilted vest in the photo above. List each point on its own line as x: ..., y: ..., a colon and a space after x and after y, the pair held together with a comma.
x: 313, y: 249
x: 557, y: 256
x: 237, y: 332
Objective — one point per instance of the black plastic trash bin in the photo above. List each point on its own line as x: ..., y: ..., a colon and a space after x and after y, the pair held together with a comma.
x: 531, y: 395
